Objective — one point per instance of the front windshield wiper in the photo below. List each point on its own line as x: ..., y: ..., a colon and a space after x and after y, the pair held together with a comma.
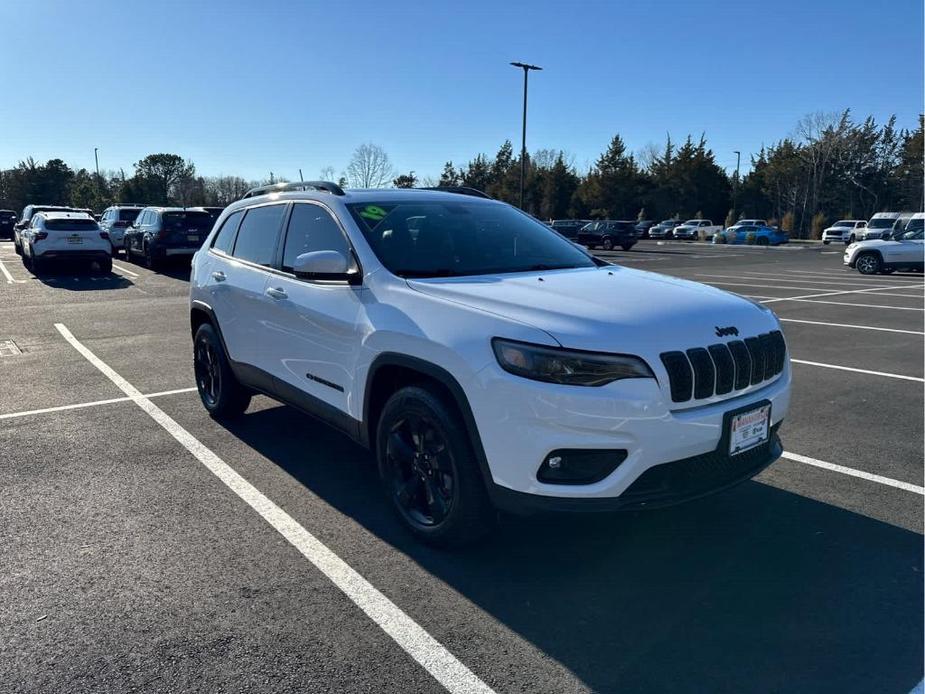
x: 543, y: 266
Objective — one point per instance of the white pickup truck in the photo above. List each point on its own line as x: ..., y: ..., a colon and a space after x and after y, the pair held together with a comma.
x: 697, y: 229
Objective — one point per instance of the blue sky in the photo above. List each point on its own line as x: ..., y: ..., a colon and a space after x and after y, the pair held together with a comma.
x: 248, y: 88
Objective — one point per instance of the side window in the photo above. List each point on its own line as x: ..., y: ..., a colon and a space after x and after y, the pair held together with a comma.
x: 257, y: 235
x: 141, y: 218
x: 224, y: 239
x: 311, y: 228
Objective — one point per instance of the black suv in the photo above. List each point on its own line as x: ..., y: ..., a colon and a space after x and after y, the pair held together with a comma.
x: 608, y: 233
x: 7, y: 222
x: 159, y: 233
x: 569, y: 228
x: 642, y: 228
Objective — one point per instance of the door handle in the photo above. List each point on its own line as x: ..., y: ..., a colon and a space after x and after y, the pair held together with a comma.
x: 218, y: 276
x: 276, y: 293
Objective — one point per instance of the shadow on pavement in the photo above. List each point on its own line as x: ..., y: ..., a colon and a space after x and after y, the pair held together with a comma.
x: 752, y: 590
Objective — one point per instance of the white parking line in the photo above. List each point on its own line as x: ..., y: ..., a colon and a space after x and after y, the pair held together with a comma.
x: 845, y: 303
x: 848, y: 325
x: 407, y: 633
x: 125, y: 270
x: 879, y: 479
x: 794, y: 298
x: 9, y: 277
x: 777, y: 278
x: 838, y: 293
x: 94, y: 403
x: 860, y: 371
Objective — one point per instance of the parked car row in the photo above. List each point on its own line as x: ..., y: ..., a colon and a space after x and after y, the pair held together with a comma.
x: 54, y: 232
x: 757, y: 234
x: 902, y: 250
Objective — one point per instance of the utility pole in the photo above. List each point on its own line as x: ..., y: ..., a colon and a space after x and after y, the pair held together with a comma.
x: 97, y: 159
x: 301, y: 180
x: 735, y: 183
x: 523, y: 142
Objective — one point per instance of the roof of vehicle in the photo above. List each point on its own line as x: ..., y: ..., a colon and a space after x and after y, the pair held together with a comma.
x: 139, y: 205
x: 919, y: 215
x: 376, y: 195
x: 50, y: 214
x: 887, y: 215
x: 160, y: 208
x: 847, y: 221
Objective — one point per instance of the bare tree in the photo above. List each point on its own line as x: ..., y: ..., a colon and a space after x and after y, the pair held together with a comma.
x: 370, y: 167
x: 327, y: 173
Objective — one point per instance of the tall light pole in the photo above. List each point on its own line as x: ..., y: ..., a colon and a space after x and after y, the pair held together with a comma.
x: 96, y: 158
x: 735, y: 183
x: 523, y: 142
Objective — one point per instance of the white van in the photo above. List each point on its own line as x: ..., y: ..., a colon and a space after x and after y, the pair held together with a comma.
x: 882, y: 225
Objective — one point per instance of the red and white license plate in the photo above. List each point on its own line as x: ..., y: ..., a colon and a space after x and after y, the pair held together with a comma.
x: 749, y: 429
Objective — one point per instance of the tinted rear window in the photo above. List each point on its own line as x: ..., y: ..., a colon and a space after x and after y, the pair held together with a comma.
x: 128, y: 214
x: 183, y: 221
x: 70, y: 224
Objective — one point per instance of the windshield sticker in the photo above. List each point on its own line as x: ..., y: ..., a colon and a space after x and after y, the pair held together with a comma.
x: 373, y: 213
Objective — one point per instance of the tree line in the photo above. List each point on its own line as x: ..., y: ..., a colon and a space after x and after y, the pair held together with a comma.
x: 831, y: 167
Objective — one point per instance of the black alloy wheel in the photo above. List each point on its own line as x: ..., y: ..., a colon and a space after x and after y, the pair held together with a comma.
x: 208, y: 373
x: 420, y: 472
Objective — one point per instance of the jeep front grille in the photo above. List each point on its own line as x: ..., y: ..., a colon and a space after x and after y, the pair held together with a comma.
x: 700, y: 373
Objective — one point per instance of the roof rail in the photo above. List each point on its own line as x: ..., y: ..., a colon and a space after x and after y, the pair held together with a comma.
x: 326, y: 186
x: 460, y: 190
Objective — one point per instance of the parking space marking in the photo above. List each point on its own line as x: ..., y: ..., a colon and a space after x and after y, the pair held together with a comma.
x: 125, y: 270
x: 780, y: 279
x: 854, y: 473
x: 842, y: 303
x: 9, y: 277
x: 831, y: 280
x: 407, y: 633
x: 860, y: 371
x: 94, y: 403
x: 842, y: 292
x: 848, y: 325
x: 794, y: 298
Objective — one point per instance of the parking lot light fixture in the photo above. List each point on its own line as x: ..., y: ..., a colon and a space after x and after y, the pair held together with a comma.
x: 523, y: 142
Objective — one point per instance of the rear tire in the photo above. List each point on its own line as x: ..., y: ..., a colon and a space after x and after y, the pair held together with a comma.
x: 868, y: 263
x: 221, y: 393
x: 429, y: 471
x: 762, y: 241
x: 150, y: 261
x: 607, y: 245
x: 104, y: 266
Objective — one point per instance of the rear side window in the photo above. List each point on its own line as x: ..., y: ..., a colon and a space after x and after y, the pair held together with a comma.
x: 311, y: 228
x: 70, y: 224
x: 256, y: 240
x: 224, y: 240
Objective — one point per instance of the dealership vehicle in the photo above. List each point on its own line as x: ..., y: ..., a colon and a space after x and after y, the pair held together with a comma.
x: 26, y: 220
x: 642, y: 228
x: 842, y: 230
x: 697, y: 229
x: 569, y: 227
x: 881, y: 225
x: 7, y: 222
x: 607, y: 234
x: 488, y: 362
x: 752, y: 222
x: 159, y: 233
x: 906, y: 252
x: 916, y: 222
x: 752, y: 234
x: 72, y: 236
x: 116, y: 219
x: 664, y: 229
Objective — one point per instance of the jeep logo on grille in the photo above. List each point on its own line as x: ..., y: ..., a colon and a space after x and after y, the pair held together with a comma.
x: 728, y: 330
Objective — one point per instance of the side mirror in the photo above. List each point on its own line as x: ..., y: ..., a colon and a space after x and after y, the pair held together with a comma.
x: 324, y: 265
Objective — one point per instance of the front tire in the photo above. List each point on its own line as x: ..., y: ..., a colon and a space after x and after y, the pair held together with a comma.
x: 762, y: 241
x: 868, y: 263
x: 429, y: 471
x: 221, y: 394
x: 607, y: 245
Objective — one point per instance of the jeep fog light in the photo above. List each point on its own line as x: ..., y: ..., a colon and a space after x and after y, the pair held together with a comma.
x: 579, y: 466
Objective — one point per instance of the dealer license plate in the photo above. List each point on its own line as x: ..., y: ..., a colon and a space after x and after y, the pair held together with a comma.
x: 192, y: 237
x: 749, y: 429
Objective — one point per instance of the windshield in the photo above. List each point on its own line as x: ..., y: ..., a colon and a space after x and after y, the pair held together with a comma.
x: 881, y: 223
x: 668, y: 222
x: 913, y: 234
x: 844, y: 223
x: 915, y: 225
x: 692, y: 221
x: 445, y: 239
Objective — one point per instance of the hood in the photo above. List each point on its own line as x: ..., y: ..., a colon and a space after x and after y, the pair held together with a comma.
x: 873, y: 243
x: 609, y: 309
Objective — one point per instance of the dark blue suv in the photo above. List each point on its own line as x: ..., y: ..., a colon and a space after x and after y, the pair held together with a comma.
x: 159, y: 233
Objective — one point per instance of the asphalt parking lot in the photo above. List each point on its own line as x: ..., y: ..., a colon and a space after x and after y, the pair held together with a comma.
x: 135, y: 560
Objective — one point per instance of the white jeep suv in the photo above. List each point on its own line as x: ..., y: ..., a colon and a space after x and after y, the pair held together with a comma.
x: 487, y: 361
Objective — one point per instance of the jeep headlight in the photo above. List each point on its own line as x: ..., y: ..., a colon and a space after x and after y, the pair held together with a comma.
x: 565, y: 366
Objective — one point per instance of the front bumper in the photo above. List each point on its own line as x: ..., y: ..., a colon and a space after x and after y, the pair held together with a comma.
x: 520, y: 422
